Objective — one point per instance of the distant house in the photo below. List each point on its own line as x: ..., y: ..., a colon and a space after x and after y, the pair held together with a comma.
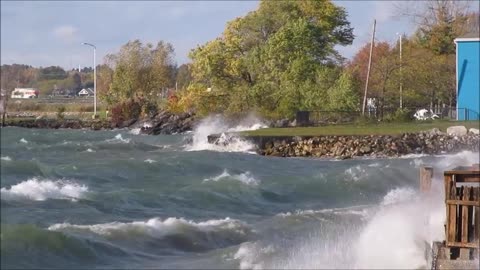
x: 25, y: 93
x: 468, y: 82
x: 85, y: 92
x: 63, y: 93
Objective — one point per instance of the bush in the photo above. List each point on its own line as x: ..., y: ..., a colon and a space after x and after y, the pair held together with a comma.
x: 130, y: 109
x: 400, y: 115
x: 60, y: 112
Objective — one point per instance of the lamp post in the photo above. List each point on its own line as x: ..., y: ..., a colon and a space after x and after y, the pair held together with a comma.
x: 401, y: 75
x: 94, y: 79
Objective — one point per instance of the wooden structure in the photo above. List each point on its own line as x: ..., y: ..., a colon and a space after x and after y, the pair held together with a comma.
x: 462, y: 199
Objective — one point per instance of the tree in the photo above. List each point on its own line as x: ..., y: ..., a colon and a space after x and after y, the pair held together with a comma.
x: 269, y: 60
x: 183, y: 76
x: 140, y: 71
x: 439, y: 22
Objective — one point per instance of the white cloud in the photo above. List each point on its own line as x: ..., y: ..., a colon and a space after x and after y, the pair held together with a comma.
x: 66, y: 33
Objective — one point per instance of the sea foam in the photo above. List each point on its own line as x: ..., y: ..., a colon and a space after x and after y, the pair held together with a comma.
x: 40, y: 190
x: 159, y: 228
x: 245, y: 178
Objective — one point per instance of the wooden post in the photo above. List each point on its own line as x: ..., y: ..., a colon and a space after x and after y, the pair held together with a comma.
x: 426, y: 174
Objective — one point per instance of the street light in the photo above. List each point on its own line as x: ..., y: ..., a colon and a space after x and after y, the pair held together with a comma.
x: 94, y: 79
x: 401, y: 75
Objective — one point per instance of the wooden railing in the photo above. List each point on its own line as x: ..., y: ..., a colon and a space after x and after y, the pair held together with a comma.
x: 462, y: 199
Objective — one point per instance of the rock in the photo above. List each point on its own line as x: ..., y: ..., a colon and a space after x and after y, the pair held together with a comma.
x: 457, y: 130
x: 474, y: 131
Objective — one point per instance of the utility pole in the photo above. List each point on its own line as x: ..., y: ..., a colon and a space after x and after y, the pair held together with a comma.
x: 401, y: 74
x: 94, y: 79
x: 369, y: 66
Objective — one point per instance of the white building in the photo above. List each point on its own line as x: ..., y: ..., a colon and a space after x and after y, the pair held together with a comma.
x: 25, y: 93
x: 85, y: 92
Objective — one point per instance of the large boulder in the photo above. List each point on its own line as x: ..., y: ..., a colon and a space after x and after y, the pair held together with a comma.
x: 457, y: 130
x: 474, y: 131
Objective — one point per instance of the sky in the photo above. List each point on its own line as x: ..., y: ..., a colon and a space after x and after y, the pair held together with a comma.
x: 47, y: 33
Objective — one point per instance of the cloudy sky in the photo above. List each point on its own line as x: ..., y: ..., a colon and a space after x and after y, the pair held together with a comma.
x: 45, y: 33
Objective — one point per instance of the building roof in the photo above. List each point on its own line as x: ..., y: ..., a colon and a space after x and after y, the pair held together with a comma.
x: 472, y: 36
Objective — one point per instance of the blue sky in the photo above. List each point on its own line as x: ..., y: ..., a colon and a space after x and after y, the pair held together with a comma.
x: 46, y: 33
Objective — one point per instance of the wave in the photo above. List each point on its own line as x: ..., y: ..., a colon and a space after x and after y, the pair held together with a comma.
x: 183, y: 234
x: 245, y: 178
x: 398, y: 195
x: 22, y: 140
x: 226, y: 142
x: 135, y: 131
x: 149, y: 161
x: 40, y: 190
x: 6, y: 158
x: 27, y: 246
x: 119, y: 138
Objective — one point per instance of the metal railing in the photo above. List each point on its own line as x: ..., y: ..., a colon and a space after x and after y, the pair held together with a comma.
x: 319, y: 118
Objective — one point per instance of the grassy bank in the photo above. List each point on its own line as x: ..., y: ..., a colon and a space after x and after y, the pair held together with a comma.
x: 366, y: 129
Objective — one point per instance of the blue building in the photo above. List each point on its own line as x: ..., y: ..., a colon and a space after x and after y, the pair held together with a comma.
x: 468, y: 77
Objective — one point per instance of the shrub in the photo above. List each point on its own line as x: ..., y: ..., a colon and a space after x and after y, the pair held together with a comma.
x: 130, y: 109
x: 400, y: 115
x: 60, y: 112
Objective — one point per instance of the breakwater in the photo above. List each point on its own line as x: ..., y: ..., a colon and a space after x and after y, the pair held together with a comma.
x: 348, y: 146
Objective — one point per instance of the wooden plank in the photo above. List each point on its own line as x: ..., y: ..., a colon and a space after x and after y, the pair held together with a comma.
x: 465, y: 193
x: 462, y: 245
x: 467, y: 178
x: 476, y: 223
x: 426, y: 174
x: 447, y: 183
x: 461, y: 202
x: 452, y: 218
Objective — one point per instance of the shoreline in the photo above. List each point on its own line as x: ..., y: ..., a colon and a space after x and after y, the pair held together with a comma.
x: 433, y: 142
x: 161, y: 123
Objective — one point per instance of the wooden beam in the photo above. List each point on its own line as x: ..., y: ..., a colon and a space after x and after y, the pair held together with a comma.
x: 426, y: 174
x: 461, y: 202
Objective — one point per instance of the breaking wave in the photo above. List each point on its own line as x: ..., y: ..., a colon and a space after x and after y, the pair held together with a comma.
x: 40, y: 190
x: 119, y: 138
x: 6, y: 158
x: 245, y: 178
x: 180, y: 233
x: 226, y: 142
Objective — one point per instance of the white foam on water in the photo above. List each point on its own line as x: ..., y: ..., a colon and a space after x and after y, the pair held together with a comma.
x: 157, y: 227
x: 135, y: 131
x: 22, y: 140
x: 226, y: 143
x: 149, y: 161
x: 395, y: 234
x: 6, y: 158
x: 245, y: 178
x: 119, y: 138
x: 90, y: 150
x: 40, y: 190
x: 355, y: 173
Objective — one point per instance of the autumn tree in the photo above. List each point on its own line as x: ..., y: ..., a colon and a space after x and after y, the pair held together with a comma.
x: 271, y: 59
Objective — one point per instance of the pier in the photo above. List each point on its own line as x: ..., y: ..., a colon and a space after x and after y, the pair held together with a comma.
x: 461, y: 247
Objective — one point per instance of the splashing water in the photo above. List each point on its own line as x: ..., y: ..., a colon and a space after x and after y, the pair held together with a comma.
x: 226, y: 143
x: 38, y: 190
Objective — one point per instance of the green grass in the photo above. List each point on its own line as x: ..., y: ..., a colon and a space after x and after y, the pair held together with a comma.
x: 365, y: 129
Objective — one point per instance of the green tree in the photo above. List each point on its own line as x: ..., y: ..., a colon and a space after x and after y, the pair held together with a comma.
x: 269, y: 60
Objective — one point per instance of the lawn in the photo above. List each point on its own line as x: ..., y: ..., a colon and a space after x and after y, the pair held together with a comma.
x: 364, y: 129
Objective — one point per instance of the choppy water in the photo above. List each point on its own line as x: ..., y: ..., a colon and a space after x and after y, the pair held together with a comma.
x: 113, y: 199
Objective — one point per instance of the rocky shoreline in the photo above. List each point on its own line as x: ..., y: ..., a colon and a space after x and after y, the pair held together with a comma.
x: 162, y: 123
x: 346, y: 147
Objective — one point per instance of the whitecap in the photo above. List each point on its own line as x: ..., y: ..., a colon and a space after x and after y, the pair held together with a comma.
x: 90, y: 150
x: 135, y: 131
x: 157, y: 227
x: 22, y: 140
x: 149, y: 161
x: 245, y: 178
x: 119, y: 138
x: 6, y: 158
x: 40, y: 190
